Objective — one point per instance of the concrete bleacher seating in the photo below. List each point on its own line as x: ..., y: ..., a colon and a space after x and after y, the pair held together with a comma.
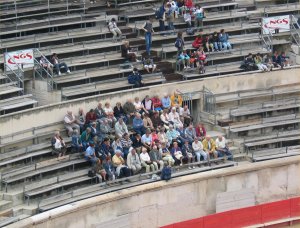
x: 16, y: 103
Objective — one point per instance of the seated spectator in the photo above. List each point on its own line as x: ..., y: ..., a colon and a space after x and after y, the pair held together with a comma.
x: 86, y: 137
x: 188, y: 153
x: 174, y: 117
x: 199, y: 150
x: 193, y: 59
x: 119, y: 112
x: 106, y: 149
x: 277, y: 61
x: 181, y: 132
x: 189, y: 5
x: 224, y: 40
x: 147, y: 121
x: 222, y: 148
x: 249, y: 64
x: 166, y: 101
x: 154, y: 136
x: 118, y: 162
x: 215, y: 41
x: 156, y: 157
x: 126, y: 144
x: 138, y: 124
x: 129, y: 109
x: 157, y: 105
x: 71, y: 123
x: 173, y: 135
x: 176, y: 100
x: 155, y: 118
x: 58, y: 145
x: 177, y: 154
x: 147, y: 139
x: 208, y: 44
x: 90, y: 117
x: 113, y: 28
x: 200, y: 131
x: 95, y: 133
x: 76, y: 142
x: 100, y: 112
x: 166, y: 155
x: 162, y: 136
x: 117, y: 145
x: 46, y: 64
x: 127, y: 52
x: 100, y: 172
x: 135, y: 78
x: 201, y: 59
x: 109, y: 113
x: 185, y: 115
x: 164, y: 117
x: 139, y: 106
x: 285, y: 59
x: 109, y: 168
x: 148, y: 105
x: 187, y: 19
x: 149, y: 65
x: 120, y: 128
x: 106, y: 130
x: 184, y: 59
x: 209, y: 146
x: 137, y: 143
x: 58, y: 65
x: 133, y: 161
x: 199, y: 15
x: 80, y: 119
x: 190, y: 133
x: 146, y: 161
x: 90, y: 154
x: 259, y: 63
x: 198, y: 42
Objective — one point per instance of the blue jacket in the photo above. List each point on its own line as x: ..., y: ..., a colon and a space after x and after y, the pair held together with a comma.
x: 137, y: 123
x: 223, y: 37
x: 132, y: 78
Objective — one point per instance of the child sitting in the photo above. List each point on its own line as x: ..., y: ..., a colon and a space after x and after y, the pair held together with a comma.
x: 184, y: 59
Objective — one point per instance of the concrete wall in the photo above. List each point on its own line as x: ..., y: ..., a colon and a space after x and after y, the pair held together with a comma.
x: 183, y: 198
x: 54, y: 112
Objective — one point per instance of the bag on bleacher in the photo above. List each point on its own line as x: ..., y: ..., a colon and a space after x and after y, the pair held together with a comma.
x: 190, y: 31
x: 92, y: 173
x: 166, y: 173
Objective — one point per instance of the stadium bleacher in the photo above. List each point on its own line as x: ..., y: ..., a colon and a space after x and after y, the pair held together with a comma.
x: 262, y: 123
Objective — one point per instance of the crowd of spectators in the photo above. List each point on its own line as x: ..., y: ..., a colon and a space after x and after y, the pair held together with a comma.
x: 265, y: 62
x: 150, y: 133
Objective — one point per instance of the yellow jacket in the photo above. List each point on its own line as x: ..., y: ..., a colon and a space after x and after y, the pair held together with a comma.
x: 212, y: 145
x: 176, y: 100
x: 117, y: 160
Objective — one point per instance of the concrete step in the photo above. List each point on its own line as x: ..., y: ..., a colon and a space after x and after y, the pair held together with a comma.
x: 240, y: 157
x: 5, y: 204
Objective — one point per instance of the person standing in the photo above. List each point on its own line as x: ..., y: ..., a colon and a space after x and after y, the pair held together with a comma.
x: 148, y: 28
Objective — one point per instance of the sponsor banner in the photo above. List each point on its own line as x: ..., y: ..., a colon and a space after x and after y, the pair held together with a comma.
x: 23, y: 58
x: 282, y: 23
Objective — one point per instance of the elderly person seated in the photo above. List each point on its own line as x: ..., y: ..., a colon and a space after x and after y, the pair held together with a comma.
x: 100, y: 112
x: 209, y: 146
x: 137, y: 143
x: 118, y: 162
x: 148, y: 104
x: 86, y: 137
x: 166, y: 101
x: 133, y: 161
x: 147, y: 121
x: 174, y: 117
x: 166, y: 155
x: 100, y: 171
x: 173, y: 135
x: 105, y: 149
x: 222, y: 148
x: 109, y: 168
x: 138, y: 124
x: 90, y: 154
x: 155, y: 119
x: 139, y: 106
x: 80, y: 119
x: 176, y: 100
x: 165, y: 118
x: 185, y: 115
x: 117, y: 145
x: 119, y: 112
x: 199, y: 150
x: 188, y: 153
x: 126, y: 144
x: 120, y: 127
x: 71, y: 123
x: 200, y: 131
x: 58, y: 145
x: 106, y: 130
x: 146, y: 161
x: 162, y: 136
x: 90, y: 117
x: 157, y: 105
x: 147, y: 139
x: 177, y: 154
x: 76, y: 142
x: 190, y: 133
x: 109, y: 113
x: 129, y: 109
x: 156, y: 157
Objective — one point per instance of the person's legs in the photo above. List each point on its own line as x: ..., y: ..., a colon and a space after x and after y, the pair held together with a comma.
x: 161, y: 25
x: 56, y: 66
x: 69, y: 130
x: 228, y: 154
x: 152, y: 169
x: 224, y: 46
x: 148, y: 40
x: 161, y: 164
x: 138, y: 168
x: 133, y: 169
x: 64, y: 65
x: 146, y: 166
x: 198, y: 155
x: 155, y: 166
x: 229, y: 45
x: 204, y: 155
x: 113, y: 31
x: 216, y: 46
x: 118, y: 31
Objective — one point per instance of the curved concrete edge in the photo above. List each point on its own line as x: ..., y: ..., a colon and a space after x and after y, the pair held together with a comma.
x: 98, y: 200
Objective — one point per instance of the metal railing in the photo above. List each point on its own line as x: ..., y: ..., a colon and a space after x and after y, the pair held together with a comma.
x: 295, y: 30
x: 266, y: 39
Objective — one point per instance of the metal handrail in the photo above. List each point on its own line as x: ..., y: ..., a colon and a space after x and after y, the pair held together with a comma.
x: 295, y: 30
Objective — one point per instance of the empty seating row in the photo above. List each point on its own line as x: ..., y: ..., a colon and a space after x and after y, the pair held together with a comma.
x: 16, y: 104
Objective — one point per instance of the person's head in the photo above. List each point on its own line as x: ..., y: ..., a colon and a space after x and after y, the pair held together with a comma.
x: 118, y: 104
x: 94, y: 124
x: 173, y: 110
x: 153, y: 131
x: 163, y: 145
x: 99, y: 105
x: 166, y: 95
x: 75, y: 132
x: 108, y: 159
x: 179, y: 34
x: 199, y: 35
x: 138, y: 136
x: 135, y: 70
x: 171, y: 127
x: 186, y: 142
x: 283, y: 53
x: 133, y: 151
x: 117, y: 139
x: 185, y: 107
x: 54, y: 55
x: 80, y: 111
x: 88, y: 130
x: 222, y: 31
x: 144, y: 150
x: 250, y: 55
x: 165, y: 111
x: 220, y: 137
x: 69, y: 112
x: 136, y: 99
x: 92, y: 110
x: 56, y: 134
x: 107, y: 104
x: 156, y: 113
x: 191, y: 126
x: 184, y: 52
x: 200, y: 49
x: 147, y: 98
x: 208, y: 137
x: 126, y: 43
x: 113, y: 19
x: 215, y: 33
x: 105, y: 122
x: 106, y: 141
x: 148, y: 131
x: 91, y: 144
x: 126, y: 136
x: 129, y: 100
x: 154, y: 147
x: 175, y: 144
x: 118, y: 153
x: 180, y: 127
x: 138, y: 115
x: 275, y: 53
x: 120, y: 120
x: 196, y: 139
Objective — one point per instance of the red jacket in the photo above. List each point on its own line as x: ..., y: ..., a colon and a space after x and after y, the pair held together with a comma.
x: 156, y: 102
x: 198, y: 42
x: 188, y: 3
x: 200, y: 131
x: 90, y: 117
